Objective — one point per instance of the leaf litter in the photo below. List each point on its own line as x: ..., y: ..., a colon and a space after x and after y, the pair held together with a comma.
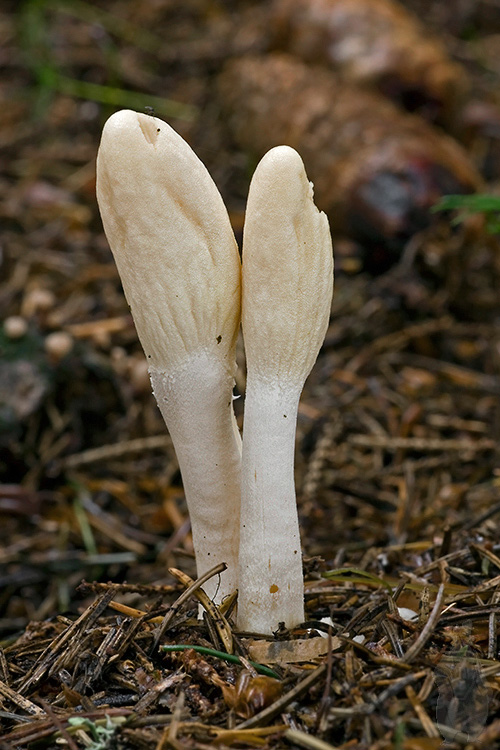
x: 397, y: 451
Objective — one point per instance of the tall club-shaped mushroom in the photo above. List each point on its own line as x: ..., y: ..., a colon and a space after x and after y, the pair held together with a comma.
x: 287, y: 284
x: 178, y: 261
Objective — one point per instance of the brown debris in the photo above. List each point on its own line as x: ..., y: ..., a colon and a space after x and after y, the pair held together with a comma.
x: 397, y: 445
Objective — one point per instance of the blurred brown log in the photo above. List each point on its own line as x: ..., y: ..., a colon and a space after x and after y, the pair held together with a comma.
x: 374, y: 42
x: 376, y: 171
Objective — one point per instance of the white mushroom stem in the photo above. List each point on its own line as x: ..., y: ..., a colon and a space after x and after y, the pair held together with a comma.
x: 178, y: 261
x: 271, y: 582
x: 287, y: 281
x: 208, y: 452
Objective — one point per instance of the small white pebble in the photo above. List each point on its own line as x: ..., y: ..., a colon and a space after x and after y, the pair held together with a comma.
x: 15, y: 327
x: 38, y: 300
x: 101, y: 339
x: 407, y: 614
x: 139, y: 375
x: 326, y: 621
x: 58, y: 345
x: 119, y: 360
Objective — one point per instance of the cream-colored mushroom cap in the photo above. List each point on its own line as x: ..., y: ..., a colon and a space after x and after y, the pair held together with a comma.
x: 287, y: 277
x: 172, y: 240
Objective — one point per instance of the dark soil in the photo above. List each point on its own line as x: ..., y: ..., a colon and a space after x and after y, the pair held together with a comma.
x: 397, y: 468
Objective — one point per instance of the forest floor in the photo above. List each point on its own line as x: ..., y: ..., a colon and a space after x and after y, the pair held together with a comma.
x: 397, y: 472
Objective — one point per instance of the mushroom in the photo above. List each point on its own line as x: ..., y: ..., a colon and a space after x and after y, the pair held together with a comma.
x: 170, y: 234
x: 287, y: 286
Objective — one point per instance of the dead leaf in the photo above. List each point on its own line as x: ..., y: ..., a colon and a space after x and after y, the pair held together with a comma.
x: 290, y: 652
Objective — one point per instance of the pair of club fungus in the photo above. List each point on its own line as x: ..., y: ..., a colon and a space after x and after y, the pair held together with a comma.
x: 178, y: 260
